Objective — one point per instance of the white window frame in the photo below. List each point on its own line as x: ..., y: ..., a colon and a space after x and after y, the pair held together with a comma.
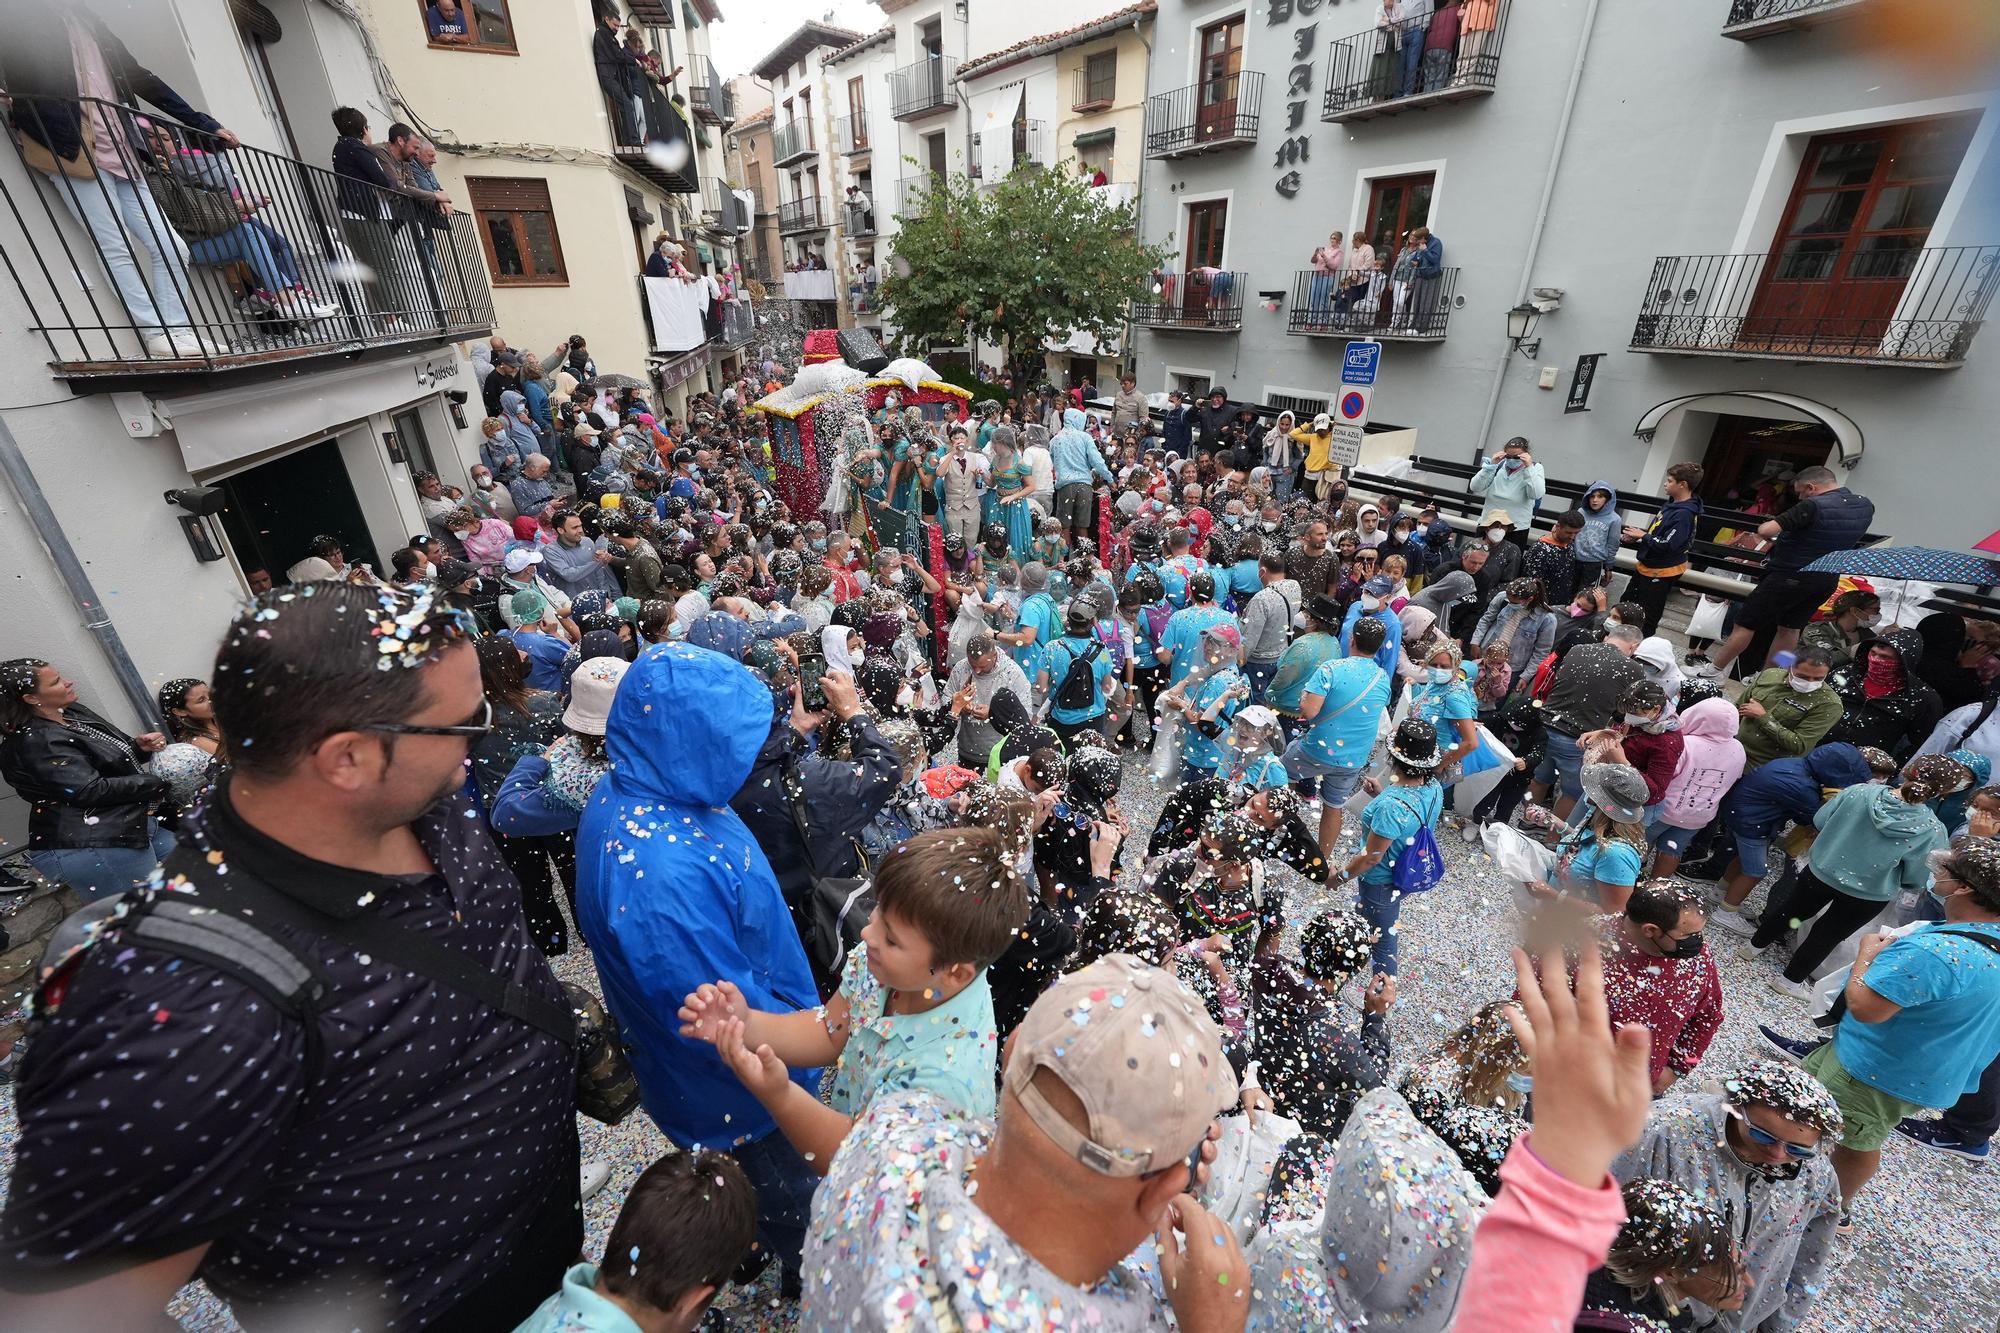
x: 1198, y: 372
x: 1364, y: 186
x: 1208, y: 20
x: 1181, y: 229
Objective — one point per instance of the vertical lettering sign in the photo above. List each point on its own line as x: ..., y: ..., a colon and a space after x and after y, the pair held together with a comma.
x: 1296, y: 147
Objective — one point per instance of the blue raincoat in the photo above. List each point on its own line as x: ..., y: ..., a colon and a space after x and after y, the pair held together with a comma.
x: 672, y: 891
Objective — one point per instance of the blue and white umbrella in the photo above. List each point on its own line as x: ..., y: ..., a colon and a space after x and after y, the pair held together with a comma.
x: 1911, y: 562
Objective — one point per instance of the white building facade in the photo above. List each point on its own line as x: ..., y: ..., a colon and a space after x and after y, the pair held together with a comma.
x: 1777, y: 255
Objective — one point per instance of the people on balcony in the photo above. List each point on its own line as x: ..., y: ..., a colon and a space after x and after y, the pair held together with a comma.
x: 377, y: 208
x: 54, y: 57
x: 620, y: 77
x: 1326, y: 267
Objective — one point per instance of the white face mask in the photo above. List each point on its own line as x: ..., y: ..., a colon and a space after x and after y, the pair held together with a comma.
x: 1371, y: 603
x: 1496, y: 534
x: 1806, y: 686
x: 1639, y: 720
x: 1441, y: 675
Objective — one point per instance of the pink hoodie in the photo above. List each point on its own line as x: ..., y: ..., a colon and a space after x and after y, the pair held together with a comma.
x: 1711, y: 761
x: 1535, y: 1247
x: 485, y: 547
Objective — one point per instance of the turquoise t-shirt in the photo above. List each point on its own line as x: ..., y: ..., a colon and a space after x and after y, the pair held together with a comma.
x: 1039, y: 614
x: 1934, y: 1049
x: 1183, y: 637
x: 1360, y: 687
x: 948, y: 1051
x: 1444, y: 707
x: 1069, y: 649
x: 1615, y: 862
x: 1397, y: 814
x: 1204, y: 751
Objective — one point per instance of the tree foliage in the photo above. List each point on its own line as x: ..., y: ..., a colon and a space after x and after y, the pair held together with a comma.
x: 1037, y: 257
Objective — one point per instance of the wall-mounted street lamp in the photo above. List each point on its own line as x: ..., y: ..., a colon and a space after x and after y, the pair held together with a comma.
x: 1521, y: 321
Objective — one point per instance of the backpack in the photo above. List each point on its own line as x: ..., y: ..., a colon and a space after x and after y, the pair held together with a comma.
x: 1078, y: 689
x: 1544, y: 679
x: 1419, y: 864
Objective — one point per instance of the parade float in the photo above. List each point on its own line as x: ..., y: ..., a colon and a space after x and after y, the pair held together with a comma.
x: 833, y: 392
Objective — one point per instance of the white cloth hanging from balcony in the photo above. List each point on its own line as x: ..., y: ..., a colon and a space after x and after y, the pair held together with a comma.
x: 676, y: 308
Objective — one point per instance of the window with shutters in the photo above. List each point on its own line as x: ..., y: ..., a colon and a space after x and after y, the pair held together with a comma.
x: 468, y: 25
x: 1100, y: 79
x: 517, y: 229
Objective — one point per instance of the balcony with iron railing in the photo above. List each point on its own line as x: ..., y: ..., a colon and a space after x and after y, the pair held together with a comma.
x: 739, y: 323
x: 791, y: 142
x: 1024, y: 142
x: 912, y: 190
x: 795, y: 215
x: 1117, y: 194
x: 1840, y: 303
x: 1368, y: 74
x: 1371, y: 305
x: 708, y: 94
x: 1750, y: 19
x: 720, y: 206
x: 286, y: 265
x: 1217, y: 113
x: 756, y: 268
x: 851, y: 135
x: 1202, y: 301
x: 922, y: 89
x: 858, y: 219
x: 662, y: 150
x: 1090, y: 94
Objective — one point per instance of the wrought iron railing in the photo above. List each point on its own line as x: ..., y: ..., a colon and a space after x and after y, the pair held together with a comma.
x: 1883, y: 306
x: 1764, y: 11
x: 739, y: 323
x: 919, y: 89
x: 1218, y: 112
x: 1203, y: 299
x: 247, y: 257
x: 791, y: 142
x: 1093, y: 94
x: 910, y: 192
x: 800, y: 215
x: 709, y: 94
x: 1386, y: 69
x: 851, y: 134
x: 1372, y: 304
x: 858, y: 218
x: 662, y: 148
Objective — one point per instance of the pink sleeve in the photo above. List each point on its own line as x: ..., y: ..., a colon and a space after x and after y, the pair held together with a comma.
x: 1533, y: 1250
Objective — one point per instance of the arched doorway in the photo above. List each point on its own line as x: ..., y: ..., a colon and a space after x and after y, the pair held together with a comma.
x: 1745, y: 440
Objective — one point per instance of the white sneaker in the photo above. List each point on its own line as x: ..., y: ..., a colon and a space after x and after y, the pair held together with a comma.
x: 300, y: 304
x: 1750, y: 953
x: 156, y: 345
x: 1784, y: 985
x: 594, y: 1176
x: 1471, y: 834
x: 186, y: 342
x: 1732, y: 920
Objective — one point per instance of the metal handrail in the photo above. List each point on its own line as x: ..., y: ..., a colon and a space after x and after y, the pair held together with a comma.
x: 1757, y: 11
x: 1371, y: 304
x: 911, y: 190
x: 921, y: 88
x: 1088, y: 96
x: 250, y: 245
x: 1814, y: 300
x: 790, y: 141
x: 1368, y: 72
x: 708, y: 93
x: 1203, y: 299
x: 800, y: 215
x: 1218, y: 112
x: 852, y: 134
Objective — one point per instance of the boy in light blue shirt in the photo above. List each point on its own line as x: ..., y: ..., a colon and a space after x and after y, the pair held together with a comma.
x: 1072, y: 648
x: 913, y: 1010
x: 687, y: 1223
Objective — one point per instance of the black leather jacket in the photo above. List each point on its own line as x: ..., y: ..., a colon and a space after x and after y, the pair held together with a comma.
x: 83, y: 783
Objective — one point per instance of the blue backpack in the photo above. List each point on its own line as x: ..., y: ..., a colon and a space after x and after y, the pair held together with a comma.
x: 1419, y: 864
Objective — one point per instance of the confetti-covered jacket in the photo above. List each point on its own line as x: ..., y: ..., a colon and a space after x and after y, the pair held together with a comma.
x: 673, y: 891
x: 1785, y: 1226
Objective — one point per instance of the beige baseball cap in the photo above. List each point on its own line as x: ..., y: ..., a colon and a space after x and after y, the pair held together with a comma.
x: 1139, y: 1050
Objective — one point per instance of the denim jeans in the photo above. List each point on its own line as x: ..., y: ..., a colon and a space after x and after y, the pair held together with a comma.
x: 1412, y: 54
x: 1562, y: 765
x: 784, y: 1184
x: 1380, y: 907
x: 264, y: 250
x: 115, y: 212
x: 1322, y: 291
x: 100, y: 872
x: 1260, y: 674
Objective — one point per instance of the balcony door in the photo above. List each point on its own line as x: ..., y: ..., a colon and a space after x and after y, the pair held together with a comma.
x: 1207, y: 229
x: 1221, y: 62
x: 1396, y: 206
x: 1853, y: 232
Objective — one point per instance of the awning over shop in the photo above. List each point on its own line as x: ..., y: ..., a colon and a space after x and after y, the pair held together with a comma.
x: 1092, y: 138
x: 1844, y: 430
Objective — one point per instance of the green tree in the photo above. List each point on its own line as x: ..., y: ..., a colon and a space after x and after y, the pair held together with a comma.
x: 1037, y: 257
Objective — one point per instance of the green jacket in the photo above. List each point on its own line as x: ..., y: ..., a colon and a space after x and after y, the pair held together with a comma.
x: 1873, y: 843
x: 1792, y: 724
x: 1825, y: 635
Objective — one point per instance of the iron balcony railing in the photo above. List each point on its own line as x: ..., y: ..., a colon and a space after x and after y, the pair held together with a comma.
x: 1093, y: 94
x: 739, y: 323
x: 1219, y: 112
x: 800, y: 215
x: 1759, y: 18
x: 662, y: 149
x: 1207, y: 299
x: 756, y: 268
x: 910, y: 192
x: 1838, y: 303
x: 920, y: 89
x: 1372, y: 304
x: 791, y: 142
x: 723, y: 208
x: 249, y: 258
x: 709, y: 94
x: 858, y: 218
x: 1388, y: 69
x: 851, y: 132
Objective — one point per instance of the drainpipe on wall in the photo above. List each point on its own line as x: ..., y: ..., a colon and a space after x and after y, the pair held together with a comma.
x: 1541, y: 223
x: 1128, y: 349
x: 21, y: 478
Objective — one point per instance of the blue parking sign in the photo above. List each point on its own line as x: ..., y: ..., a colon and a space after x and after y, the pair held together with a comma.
x: 1362, y: 361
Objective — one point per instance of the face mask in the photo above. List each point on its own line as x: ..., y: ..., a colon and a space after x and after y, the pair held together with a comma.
x: 1371, y: 603
x: 1442, y: 675
x: 1514, y: 465
x: 1806, y: 686
x: 1521, y: 1083
x: 1496, y: 534
x: 818, y: 545
x: 1269, y: 525
x: 1687, y: 948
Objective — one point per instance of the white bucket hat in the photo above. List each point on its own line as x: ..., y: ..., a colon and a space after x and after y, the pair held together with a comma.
x: 591, y: 691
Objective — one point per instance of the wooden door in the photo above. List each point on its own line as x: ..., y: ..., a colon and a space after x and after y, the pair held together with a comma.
x: 1207, y: 229
x: 1853, y: 230
x: 1396, y: 206
x: 1221, y: 63
x: 857, y: 114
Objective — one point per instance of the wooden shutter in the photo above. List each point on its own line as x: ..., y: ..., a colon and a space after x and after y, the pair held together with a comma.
x: 509, y: 194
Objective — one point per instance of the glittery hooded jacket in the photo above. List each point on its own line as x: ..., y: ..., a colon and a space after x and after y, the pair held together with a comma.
x: 1784, y: 1226
x: 673, y: 891
x: 897, y: 1241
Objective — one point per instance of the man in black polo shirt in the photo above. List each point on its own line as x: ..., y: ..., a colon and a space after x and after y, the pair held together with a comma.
x: 401, y: 1157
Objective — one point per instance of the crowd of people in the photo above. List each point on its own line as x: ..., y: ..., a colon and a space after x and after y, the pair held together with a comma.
x: 941, y: 1037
